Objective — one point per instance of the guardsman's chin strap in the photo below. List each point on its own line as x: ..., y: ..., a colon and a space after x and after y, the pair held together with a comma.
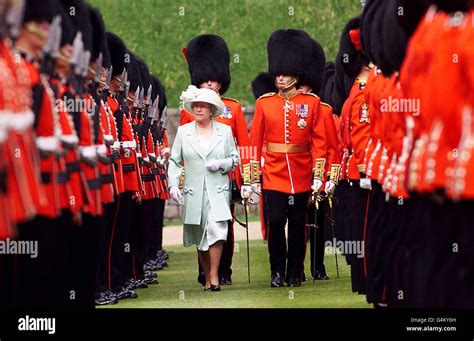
x: 288, y: 90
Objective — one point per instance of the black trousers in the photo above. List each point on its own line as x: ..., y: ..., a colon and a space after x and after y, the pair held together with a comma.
x: 118, y: 235
x: 317, y: 236
x: 33, y: 275
x: 464, y: 269
x: 359, y: 204
x: 84, y: 261
x: 228, y: 249
x: 61, y: 262
x: 280, y: 208
x: 104, y: 238
x: 140, y: 230
x: 7, y: 283
x: 154, y: 240
x: 161, y: 215
x: 377, y: 221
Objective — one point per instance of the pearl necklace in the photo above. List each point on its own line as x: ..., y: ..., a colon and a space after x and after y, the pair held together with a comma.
x: 205, y: 130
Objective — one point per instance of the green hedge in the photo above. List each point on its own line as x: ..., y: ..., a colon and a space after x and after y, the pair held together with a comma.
x: 157, y: 30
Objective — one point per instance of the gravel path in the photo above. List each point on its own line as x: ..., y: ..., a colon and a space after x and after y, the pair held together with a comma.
x: 173, y: 235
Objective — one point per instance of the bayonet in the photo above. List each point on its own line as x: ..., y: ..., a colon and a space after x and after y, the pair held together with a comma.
x: 14, y: 18
x: 140, y: 99
x: 136, y: 98
x: 148, y: 96
x: 98, y: 69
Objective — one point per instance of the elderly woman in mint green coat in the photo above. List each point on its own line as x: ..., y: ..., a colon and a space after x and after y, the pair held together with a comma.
x: 208, y: 151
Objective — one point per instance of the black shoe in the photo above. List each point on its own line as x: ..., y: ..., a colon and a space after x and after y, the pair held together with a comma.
x: 105, y: 299
x: 125, y: 293
x: 150, y: 274
x: 150, y: 281
x: 225, y: 280
x: 215, y: 287
x: 132, y: 294
x: 202, y: 279
x: 320, y: 276
x: 139, y: 284
x: 277, y: 280
x: 133, y: 284
x: 294, y: 282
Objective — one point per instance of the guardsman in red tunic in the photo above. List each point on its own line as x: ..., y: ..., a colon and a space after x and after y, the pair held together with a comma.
x: 438, y: 166
x: 119, y: 260
x: 208, y: 60
x: 293, y: 127
x: 20, y: 187
x: 312, y: 84
x: 34, y: 274
x: 157, y: 256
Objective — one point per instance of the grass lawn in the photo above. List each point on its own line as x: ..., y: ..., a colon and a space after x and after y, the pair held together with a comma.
x: 178, y: 287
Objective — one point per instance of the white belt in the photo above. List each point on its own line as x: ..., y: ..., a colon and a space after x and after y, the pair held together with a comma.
x: 19, y: 122
x: 139, y: 154
x: 152, y: 155
x: 101, y: 149
x: 70, y: 139
x: 129, y: 144
x: 47, y: 143
x: 88, y: 151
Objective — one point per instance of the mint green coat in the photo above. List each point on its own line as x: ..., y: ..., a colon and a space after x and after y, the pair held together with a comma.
x: 186, y: 148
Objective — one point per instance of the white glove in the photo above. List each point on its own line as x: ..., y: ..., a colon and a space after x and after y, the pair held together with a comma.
x: 176, y: 195
x: 215, y: 165
x: 366, y: 183
x: 317, y: 185
x: 256, y: 188
x: 245, y: 191
x: 330, y: 187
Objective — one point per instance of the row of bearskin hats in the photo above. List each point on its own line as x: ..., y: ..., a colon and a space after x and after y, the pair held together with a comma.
x: 290, y: 52
x: 96, y: 40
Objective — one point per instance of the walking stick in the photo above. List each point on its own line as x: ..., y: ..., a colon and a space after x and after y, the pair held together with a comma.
x: 333, y: 228
x: 246, y: 207
x: 316, y: 205
x: 245, y: 225
x: 315, y: 226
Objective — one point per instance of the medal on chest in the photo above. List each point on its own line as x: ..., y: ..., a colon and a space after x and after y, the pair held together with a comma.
x: 302, y: 111
x: 227, y: 113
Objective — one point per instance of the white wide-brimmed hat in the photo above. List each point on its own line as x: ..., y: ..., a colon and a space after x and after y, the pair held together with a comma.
x: 193, y: 95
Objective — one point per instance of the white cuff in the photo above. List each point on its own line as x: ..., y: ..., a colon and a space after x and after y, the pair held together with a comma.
x: 129, y: 144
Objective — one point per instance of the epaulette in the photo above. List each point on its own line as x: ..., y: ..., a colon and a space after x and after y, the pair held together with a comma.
x: 231, y: 99
x: 268, y: 94
x: 311, y: 94
x: 326, y: 105
x: 362, y: 83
